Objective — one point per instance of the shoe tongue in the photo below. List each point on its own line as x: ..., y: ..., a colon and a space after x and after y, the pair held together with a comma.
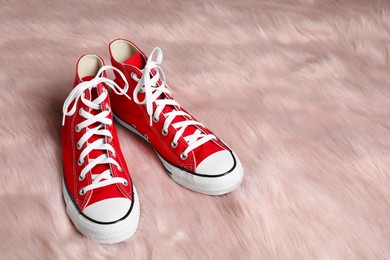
x: 94, y: 93
x: 137, y: 60
x: 110, y: 191
x: 87, y: 78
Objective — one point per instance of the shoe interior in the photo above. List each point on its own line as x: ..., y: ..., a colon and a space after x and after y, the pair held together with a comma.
x: 122, y: 50
x: 89, y: 65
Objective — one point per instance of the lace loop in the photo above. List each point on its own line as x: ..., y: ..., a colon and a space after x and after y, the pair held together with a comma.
x: 78, y: 91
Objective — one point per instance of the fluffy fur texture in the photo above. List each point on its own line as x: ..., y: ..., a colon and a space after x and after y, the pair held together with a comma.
x: 299, y: 89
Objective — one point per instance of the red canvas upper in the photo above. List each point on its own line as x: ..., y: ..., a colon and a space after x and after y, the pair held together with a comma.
x: 70, y: 137
x: 137, y: 116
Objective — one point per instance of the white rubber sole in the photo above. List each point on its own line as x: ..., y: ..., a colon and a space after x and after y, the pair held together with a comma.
x: 104, y: 233
x: 200, y: 183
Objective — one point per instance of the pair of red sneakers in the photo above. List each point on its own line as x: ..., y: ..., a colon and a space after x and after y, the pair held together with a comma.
x: 99, y: 195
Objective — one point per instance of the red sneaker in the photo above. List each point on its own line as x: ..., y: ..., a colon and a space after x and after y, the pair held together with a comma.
x: 99, y: 195
x: 192, y: 155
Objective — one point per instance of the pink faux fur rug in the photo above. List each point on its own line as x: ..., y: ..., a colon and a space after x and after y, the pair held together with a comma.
x: 299, y: 89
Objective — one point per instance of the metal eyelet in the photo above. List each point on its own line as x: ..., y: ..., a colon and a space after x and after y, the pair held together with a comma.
x: 82, y: 192
x: 156, y: 119
x: 125, y: 183
x: 108, y: 108
x: 164, y: 132
x: 81, y: 178
x: 79, y: 162
x: 173, y: 144
x: 77, y: 129
x: 183, y: 156
x: 79, y: 146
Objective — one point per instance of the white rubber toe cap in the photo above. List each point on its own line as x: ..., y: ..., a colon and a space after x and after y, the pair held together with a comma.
x: 108, y: 210
x: 217, y: 163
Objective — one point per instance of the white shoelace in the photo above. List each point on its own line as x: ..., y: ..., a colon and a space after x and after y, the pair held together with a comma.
x: 105, y: 178
x: 149, y: 86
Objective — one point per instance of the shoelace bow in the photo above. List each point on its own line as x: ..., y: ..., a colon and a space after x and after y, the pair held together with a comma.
x: 105, y: 178
x: 149, y: 84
